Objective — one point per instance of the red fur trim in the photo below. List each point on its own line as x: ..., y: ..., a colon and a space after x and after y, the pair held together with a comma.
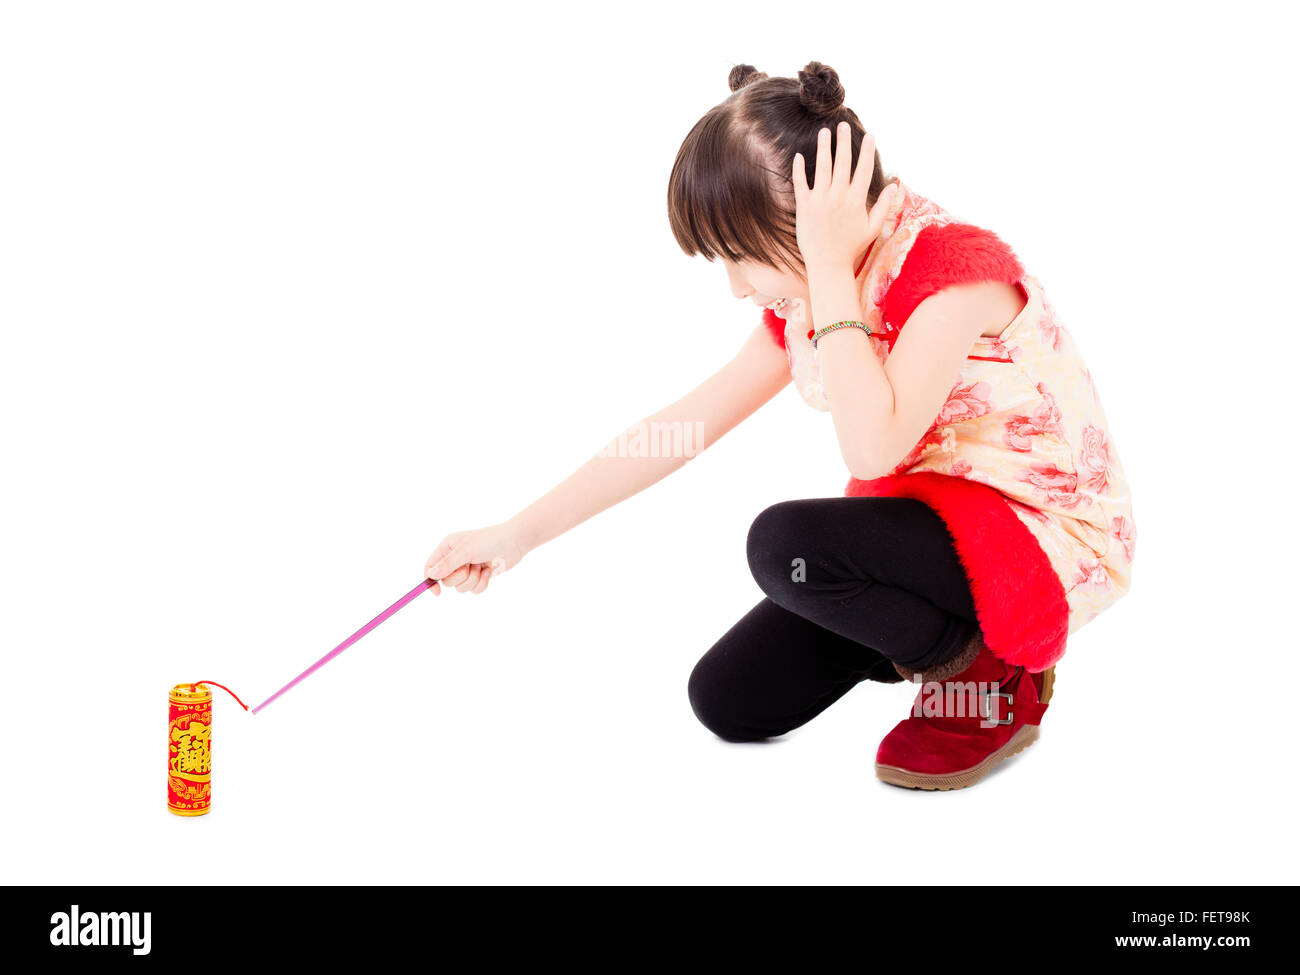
x: 775, y: 326
x: 1018, y: 597
x: 942, y: 255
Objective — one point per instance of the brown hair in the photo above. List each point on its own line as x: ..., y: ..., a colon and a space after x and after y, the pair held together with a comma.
x: 730, y: 191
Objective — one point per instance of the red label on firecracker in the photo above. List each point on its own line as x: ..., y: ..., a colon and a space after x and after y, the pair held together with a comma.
x: 189, y: 750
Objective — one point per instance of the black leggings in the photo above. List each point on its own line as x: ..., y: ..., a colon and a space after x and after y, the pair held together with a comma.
x: 881, y: 583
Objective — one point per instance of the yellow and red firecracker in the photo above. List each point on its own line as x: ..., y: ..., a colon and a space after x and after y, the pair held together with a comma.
x: 189, y: 749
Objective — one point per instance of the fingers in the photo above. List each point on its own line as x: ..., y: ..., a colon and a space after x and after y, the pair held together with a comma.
x: 457, y: 563
x: 843, y: 156
x: 447, y: 556
x: 471, y: 579
x: 434, y: 560
x: 888, y: 197
x: 822, y: 173
x: 455, y: 577
x: 866, y: 165
x: 799, y: 177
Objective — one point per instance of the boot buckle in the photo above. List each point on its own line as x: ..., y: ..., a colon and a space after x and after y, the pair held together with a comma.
x: 986, y: 712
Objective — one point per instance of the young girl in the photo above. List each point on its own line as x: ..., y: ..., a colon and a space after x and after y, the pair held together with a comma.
x: 987, y: 515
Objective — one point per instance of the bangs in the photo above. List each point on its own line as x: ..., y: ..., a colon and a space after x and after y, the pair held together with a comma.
x: 723, y: 203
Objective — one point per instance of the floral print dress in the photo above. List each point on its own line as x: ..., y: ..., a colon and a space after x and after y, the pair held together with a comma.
x: 1023, y: 418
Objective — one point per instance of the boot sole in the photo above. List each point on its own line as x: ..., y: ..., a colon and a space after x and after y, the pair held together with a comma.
x: 1021, y: 740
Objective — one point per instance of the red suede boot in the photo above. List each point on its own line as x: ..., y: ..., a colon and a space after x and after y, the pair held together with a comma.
x: 969, y: 714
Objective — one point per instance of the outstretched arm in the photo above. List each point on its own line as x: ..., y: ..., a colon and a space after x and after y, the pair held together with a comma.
x: 757, y: 373
x: 621, y: 468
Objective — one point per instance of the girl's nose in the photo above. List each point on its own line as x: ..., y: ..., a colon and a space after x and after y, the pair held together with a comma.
x: 739, y: 287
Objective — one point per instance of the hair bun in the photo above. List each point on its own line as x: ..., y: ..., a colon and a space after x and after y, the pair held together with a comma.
x: 820, y: 91
x: 742, y: 75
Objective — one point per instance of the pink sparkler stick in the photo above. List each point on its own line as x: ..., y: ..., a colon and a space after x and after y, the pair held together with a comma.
x: 424, y: 584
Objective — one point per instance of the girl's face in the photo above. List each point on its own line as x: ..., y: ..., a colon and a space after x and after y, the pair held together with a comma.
x: 762, y: 284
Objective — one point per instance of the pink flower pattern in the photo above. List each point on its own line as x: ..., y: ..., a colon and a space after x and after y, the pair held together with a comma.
x: 1050, y: 328
x: 1091, y: 572
x: 1094, y: 459
x: 1123, y: 530
x: 1045, y: 419
x: 1001, y: 350
x: 1056, y: 486
x: 966, y: 401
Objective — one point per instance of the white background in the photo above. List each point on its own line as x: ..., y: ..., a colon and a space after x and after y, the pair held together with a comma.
x: 290, y: 291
